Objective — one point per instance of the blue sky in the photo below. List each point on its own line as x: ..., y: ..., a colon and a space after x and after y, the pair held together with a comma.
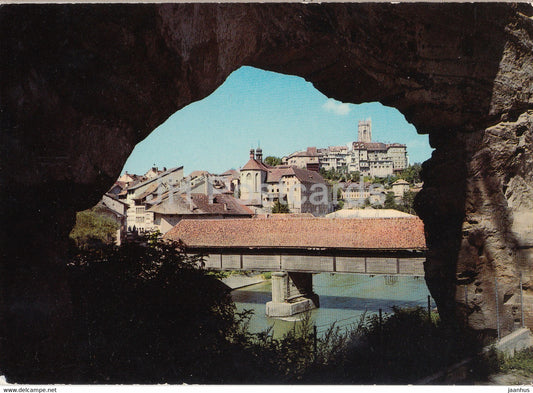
x: 280, y: 112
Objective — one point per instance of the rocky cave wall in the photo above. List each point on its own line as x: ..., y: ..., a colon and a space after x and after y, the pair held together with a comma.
x: 81, y: 85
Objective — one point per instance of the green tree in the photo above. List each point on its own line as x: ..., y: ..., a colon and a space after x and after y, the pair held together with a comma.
x: 93, y: 228
x: 407, y: 201
x: 390, y: 180
x: 339, y: 194
x: 355, y: 176
x: 390, y: 202
x: 272, y: 161
x: 411, y: 174
x: 148, y: 313
x: 279, y: 207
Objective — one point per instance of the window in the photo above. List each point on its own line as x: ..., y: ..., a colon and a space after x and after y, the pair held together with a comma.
x: 139, y: 210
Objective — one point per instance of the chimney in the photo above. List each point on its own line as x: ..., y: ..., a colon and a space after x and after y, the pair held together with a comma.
x: 252, y: 154
x: 259, y: 154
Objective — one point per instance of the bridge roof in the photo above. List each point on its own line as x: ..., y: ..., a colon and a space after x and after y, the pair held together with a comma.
x: 354, y: 233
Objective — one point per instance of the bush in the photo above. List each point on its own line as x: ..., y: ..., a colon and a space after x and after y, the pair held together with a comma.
x: 402, y: 348
x: 93, y: 229
x: 148, y: 314
x: 522, y: 360
x: 279, y: 207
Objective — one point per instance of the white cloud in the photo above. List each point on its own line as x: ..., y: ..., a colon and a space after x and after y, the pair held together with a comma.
x: 336, y: 107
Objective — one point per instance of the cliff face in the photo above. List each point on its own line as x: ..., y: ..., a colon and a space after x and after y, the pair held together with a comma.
x: 497, y: 233
x: 81, y: 85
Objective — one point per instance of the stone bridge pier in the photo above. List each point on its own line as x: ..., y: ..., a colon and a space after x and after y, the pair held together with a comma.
x: 292, y: 293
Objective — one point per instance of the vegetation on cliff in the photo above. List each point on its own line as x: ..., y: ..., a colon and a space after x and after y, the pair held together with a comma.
x: 93, y: 228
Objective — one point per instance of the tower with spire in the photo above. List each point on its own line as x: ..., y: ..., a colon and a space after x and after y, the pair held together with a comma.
x: 253, y: 175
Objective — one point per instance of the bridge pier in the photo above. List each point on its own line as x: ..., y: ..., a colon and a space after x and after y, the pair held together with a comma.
x: 292, y: 293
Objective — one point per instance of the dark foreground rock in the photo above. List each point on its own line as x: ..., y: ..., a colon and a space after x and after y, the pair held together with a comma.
x: 82, y: 84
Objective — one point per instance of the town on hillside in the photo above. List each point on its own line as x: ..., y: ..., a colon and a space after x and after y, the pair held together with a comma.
x: 364, y: 179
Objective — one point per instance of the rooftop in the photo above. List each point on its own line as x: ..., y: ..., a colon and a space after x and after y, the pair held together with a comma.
x: 198, y: 173
x: 155, y: 178
x: 310, y: 152
x: 254, y: 164
x: 222, y: 204
x: 337, y: 148
x: 277, y: 232
x: 234, y: 174
x: 368, y: 213
x: 400, y: 182
x: 369, y: 146
x: 303, y: 175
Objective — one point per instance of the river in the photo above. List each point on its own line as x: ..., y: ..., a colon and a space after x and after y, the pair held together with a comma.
x: 343, y: 299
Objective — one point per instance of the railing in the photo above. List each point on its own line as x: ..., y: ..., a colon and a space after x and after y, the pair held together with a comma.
x: 345, y: 324
x: 511, y: 313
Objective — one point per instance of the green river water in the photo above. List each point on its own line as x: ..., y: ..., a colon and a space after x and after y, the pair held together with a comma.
x: 343, y: 299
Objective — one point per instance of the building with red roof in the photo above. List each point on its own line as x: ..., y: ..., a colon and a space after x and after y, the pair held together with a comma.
x: 405, y: 233
x: 375, y: 159
x: 262, y: 186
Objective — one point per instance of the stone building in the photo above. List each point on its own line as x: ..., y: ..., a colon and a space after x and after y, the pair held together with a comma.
x: 115, y: 209
x: 163, y: 200
x: 138, y: 194
x: 369, y: 158
x: 398, y: 154
x: 304, y: 191
x: 172, y: 209
x: 253, y: 176
x: 154, y: 172
x: 307, y: 159
x: 334, y: 157
x: 231, y: 179
x: 355, y: 194
x: 400, y: 187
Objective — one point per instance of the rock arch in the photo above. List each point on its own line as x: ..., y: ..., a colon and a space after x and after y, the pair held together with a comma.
x: 81, y: 85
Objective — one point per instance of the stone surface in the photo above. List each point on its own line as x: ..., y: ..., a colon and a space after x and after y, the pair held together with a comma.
x: 516, y: 341
x: 281, y: 310
x: 81, y: 85
x: 242, y: 280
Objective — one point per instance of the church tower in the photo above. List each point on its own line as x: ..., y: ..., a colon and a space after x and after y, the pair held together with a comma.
x: 253, y: 176
x: 365, y: 131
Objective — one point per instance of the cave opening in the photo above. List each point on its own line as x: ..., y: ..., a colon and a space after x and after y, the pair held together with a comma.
x: 284, y: 115
x: 280, y: 113
x: 465, y: 82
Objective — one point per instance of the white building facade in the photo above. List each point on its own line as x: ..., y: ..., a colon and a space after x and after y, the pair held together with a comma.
x: 369, y: 158
x: 302, y: 190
